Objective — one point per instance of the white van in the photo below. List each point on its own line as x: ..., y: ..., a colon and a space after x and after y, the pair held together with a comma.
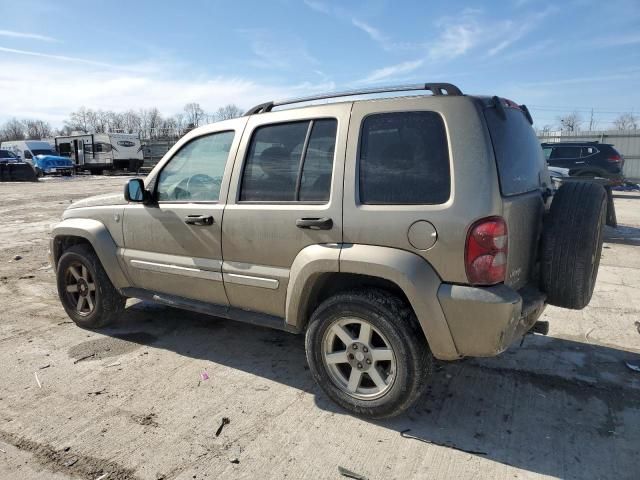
x: 41, y: 155
x: 27, y: 149
x: 102, y: 151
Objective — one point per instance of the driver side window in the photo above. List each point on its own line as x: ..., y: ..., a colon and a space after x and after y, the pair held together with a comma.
x: 194, y: 174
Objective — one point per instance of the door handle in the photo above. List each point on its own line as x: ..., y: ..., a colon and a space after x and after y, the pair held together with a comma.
x: 198, y: 220
x: 324, y: 223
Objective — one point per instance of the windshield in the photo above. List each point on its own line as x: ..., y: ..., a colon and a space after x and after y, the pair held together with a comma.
x: 44, y: 152
x: 6, y: 154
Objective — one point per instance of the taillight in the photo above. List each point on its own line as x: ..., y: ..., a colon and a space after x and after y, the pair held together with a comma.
x: 486, y: 251
x: 614, y: 159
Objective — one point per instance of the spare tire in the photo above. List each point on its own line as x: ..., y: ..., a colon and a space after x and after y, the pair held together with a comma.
x: 572, y: 244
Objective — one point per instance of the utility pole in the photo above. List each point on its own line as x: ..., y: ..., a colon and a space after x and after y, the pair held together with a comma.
x: 591, y: 121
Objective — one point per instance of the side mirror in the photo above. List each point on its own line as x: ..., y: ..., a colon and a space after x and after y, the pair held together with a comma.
x: 134, y: 191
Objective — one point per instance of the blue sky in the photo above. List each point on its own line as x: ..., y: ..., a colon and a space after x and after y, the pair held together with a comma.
x: 556, y: 56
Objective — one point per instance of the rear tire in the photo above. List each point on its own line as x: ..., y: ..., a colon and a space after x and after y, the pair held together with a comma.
x: 86, y: 293
x: 572, y: 244
x: 383, y: 364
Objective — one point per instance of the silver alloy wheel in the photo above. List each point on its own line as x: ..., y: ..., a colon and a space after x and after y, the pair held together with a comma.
x: 80, y: 288
x: 359, y: 358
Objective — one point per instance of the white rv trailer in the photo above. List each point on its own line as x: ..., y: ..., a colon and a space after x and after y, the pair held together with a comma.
x: 102, y: 151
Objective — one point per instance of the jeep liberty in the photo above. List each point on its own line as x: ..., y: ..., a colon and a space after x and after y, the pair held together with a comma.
x: 390, y: 231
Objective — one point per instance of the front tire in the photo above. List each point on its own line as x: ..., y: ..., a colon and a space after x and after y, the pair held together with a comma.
x: 367, y: 352
x: 86, y: 293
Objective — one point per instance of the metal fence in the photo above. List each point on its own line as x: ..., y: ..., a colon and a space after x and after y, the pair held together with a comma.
x: 626, y: 142
x: 154, y: 150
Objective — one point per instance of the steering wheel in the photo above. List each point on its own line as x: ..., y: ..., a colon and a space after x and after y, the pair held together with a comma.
x: 199, y: 182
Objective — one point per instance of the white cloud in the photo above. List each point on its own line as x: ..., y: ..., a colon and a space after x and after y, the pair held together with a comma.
x: 391, y: 71
x: 318, y: 6
x: 472, y: 30
x: 30, y: 36
x: 64, y: 58
x: 279, y: 51
x: 455, y: 40
x: 373, y: 32
x: 66, y: 87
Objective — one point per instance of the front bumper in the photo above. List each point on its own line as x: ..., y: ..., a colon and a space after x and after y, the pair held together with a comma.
x: 484, y: 321
x: 60, y: 170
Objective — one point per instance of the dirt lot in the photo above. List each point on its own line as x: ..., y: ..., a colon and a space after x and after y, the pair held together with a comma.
x: 130, y: 402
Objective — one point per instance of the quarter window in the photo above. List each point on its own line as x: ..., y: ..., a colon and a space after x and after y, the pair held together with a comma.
x: 290, y: 162
x: 194, y: 174
x: 404, y: 159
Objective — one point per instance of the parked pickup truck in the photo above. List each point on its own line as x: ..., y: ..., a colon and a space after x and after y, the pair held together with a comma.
x: 389, y: 231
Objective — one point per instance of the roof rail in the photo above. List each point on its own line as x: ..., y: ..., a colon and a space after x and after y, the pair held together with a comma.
x: 435, y: 88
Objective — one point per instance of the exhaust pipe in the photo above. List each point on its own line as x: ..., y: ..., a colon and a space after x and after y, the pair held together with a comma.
x: 541, y: 328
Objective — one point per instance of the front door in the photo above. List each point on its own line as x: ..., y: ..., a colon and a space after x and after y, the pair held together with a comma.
x: 172, y: 245
x: 285, y: 194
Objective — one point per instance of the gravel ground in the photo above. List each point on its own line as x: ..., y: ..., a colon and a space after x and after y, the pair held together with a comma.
x: 129, y: 402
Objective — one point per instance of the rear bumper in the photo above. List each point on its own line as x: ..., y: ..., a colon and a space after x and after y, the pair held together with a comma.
x: 484, y: 321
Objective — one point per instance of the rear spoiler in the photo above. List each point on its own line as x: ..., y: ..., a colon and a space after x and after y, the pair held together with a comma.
x: 501, y: 103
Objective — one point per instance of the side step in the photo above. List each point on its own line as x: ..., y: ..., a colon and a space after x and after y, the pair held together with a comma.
x: 230, y: 313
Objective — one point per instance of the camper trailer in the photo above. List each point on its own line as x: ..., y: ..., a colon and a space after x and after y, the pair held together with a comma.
x: 102, y: 151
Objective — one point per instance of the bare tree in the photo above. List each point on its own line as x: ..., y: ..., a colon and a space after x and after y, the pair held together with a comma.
x: 194, y: 114
x: 98, y: 121
x: 63, y: 131
x: 37, y: 129
x: 151, y: 120
x: 79, y: 120
x: 13, y: 129
x: 132, y: 122
x: 626, y: 121
x: 116, y: 121
x: 570, y: 122
x: 228, y: 111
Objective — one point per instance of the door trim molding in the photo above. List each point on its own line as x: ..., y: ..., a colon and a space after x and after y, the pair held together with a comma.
x: 176, y: 270
x: 251, y: 281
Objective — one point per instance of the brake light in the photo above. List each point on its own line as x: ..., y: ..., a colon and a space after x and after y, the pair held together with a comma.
x: 486, y: 251
x: 614, y: 159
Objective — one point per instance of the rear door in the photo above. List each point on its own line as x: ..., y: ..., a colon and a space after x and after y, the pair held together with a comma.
x: 523, y: 178
x: 285, y: 194
x: 566, y: 157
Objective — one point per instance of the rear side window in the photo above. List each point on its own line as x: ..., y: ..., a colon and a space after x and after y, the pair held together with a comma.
x: 404, y: 159
x: 566, y: 152
x: 290, y: 162
x: 519, y: 156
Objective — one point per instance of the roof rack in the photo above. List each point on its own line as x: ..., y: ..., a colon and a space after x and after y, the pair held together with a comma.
x: 435, y: 88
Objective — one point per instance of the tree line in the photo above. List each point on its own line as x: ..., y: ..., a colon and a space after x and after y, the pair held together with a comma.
x: 146, y: 123
x: 575, y: 122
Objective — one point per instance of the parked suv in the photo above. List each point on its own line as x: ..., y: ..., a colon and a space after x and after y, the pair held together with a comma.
x: 586, y: 159
x: 389, y: 231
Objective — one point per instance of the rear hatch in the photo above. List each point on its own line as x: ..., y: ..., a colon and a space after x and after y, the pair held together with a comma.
x: 524, y: 178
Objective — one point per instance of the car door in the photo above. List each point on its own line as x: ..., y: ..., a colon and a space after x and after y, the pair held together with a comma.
x: 285, y: 194
x: 173, y: 244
